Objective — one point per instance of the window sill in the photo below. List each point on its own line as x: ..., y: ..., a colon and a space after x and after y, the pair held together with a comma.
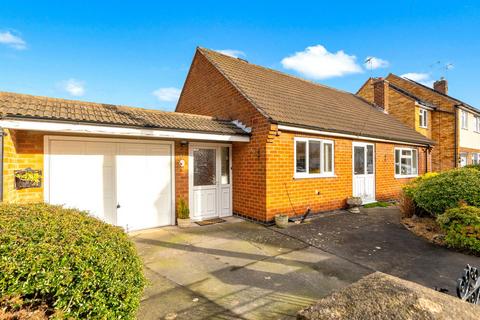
x: 399, y: 176
x: 313, y: 176
x: 422, y: 127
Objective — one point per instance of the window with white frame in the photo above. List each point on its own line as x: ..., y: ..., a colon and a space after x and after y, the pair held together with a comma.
x: 477, y: 124
x: 406, y: 162
x: 313, y: 158
x: 464, y: 119
x: 475, y: 158
x: 422, y: 118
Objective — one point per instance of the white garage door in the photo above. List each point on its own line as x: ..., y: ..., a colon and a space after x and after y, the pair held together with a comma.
x: 123, y: 183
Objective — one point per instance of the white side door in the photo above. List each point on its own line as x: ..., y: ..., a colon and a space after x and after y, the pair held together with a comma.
x: 144, y: 185
x: 205, y: 183
x: 364, y: 171
x: 463, y: 159
x: 210, y: 181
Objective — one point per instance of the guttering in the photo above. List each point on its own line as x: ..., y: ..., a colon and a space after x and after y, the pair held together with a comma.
x: 344, y: 135
x: 112, y: 130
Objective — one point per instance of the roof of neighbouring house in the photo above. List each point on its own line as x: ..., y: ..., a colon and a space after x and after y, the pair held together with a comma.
x: 14, y: 105
x: 290, y: 100
x: 411, y: 95
x: 458, y: 101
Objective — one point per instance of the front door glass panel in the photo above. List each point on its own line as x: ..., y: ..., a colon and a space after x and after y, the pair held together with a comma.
x: 204, y: 167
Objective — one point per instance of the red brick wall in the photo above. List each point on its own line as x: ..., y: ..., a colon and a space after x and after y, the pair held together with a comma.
x: 207, y: 92
x: 181, y: 173
x: 293, y: 196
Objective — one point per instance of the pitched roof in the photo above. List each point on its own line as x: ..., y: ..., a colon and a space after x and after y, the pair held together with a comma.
x: 14, y: 105
x: 293, y: 101
x: 411, y: 95
x: 458, y: 101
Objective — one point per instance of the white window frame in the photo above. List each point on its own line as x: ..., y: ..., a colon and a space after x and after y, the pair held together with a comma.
x: 477, y: 124
x: 464, y: 121
x: 306, y: 174
x: 423, y: 118
x: 400, y: 175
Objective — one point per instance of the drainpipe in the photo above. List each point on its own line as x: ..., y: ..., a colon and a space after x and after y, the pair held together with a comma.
x: 2, y: 134
x: 455, y: 155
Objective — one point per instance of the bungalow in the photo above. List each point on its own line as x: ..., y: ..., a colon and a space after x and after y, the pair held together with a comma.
x: 244, y: 139
x: 311, y: 146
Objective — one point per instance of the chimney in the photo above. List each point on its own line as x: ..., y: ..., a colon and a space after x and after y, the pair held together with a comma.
x: 441, y: 86
x: 380, y: 93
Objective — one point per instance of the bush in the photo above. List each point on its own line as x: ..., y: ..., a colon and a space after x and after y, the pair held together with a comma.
x: 406, y: 203
x: 473, y: 166
x: 462, y: 227
x: 445, y: 190
x: 77, y: 265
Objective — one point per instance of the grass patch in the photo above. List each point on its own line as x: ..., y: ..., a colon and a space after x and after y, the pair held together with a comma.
x: 379, y: 204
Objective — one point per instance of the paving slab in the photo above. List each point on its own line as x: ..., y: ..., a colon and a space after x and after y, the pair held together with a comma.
x: 234, y: 270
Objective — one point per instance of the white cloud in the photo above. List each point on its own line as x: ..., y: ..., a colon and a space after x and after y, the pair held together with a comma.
x: 74, y: 87
x: 317, y: 63
x: 232, y: 53
x: 423, y: 78
x: 9, y: 39
x: 167, y: 94
x: 375, y: 63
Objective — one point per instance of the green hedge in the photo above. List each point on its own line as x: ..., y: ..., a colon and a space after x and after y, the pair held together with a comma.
x: 444, y: 191
x: 462, y: 227
x: 77, y: 265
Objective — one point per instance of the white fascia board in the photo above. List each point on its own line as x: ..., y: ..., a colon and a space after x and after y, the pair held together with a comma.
x: 343, y: 135
x: 110, y: 130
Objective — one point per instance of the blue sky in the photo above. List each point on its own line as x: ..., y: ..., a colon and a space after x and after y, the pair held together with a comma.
x: 138, y: 52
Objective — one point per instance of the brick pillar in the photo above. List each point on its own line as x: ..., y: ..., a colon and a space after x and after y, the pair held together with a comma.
x: 380, y: 93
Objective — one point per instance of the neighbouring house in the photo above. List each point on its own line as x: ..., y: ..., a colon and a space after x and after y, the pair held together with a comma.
x: 244, y: 140
x: 453, y: 124
x: 311, y: 146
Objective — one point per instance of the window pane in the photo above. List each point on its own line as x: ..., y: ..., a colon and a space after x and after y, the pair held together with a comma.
x: 359, y: 160
x: 301, y: 161
x: 314, y: 156
x: 406, y: 152
x: 406, y: 166
x: 328, y: 157
x: 414, y: 162
x: 225, y: 161
x: 369, y: 159
x: 397, y: 161
x: 204, y: 167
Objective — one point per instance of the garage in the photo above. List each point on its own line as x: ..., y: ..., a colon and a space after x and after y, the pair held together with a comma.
x: 124, y: 182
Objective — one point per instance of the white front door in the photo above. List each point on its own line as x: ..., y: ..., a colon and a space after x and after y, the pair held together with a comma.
x: 364, y: 171
x: 210, y: 181
x: 463, y: 159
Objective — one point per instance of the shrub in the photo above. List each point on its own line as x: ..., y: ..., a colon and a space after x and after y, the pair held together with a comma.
x: 462, y: 227
x: 406, y: 204
x: 473, y: 166
x: 444, y: 191
x: 183, y: 211
x: 77, y: 265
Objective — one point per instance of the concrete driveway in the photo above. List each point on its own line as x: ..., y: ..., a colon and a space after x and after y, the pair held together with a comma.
x: 235, y: 270
x: 242, y: 270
